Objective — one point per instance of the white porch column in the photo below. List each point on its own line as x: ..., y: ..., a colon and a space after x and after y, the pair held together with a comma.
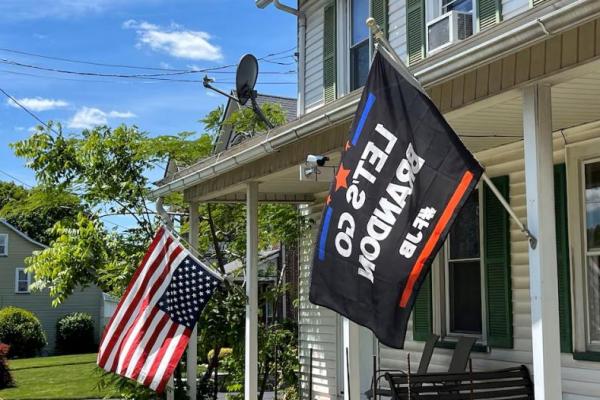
x: 251, y: 349
x: 192, y: 351
x: 543, y: 280
x: 351, y: 359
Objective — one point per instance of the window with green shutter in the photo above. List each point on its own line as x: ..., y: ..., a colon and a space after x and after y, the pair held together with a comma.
x: 379, y: 11
x: 415, y: 30
x: 423, y: 312
x: 562, y: 258
x: 496, y: 232
x: 488, y: 13
x: 329, y: 54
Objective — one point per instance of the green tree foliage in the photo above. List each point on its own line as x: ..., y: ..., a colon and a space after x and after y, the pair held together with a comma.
x: 22, y: 331
x: 34, y: 211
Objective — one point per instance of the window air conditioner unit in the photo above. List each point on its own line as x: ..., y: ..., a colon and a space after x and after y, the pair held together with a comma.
x: 448, y: 29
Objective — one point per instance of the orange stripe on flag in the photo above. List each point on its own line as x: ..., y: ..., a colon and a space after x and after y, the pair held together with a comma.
x: 433, y: 239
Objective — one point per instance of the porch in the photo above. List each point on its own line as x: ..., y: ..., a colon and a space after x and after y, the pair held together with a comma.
x: 517, y: 127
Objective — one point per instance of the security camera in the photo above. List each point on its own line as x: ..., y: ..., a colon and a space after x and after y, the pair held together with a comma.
x: 316, y: 160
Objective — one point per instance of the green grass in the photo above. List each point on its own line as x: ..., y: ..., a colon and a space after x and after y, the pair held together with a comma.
x: 61, y: 377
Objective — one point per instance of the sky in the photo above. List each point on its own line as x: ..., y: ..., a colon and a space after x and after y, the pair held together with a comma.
x: 161, y: 34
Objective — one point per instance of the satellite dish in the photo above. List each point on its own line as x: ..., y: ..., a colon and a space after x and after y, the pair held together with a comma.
x: 245, y: 78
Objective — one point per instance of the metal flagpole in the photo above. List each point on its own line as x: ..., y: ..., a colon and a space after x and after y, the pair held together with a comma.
x: 384, y: 46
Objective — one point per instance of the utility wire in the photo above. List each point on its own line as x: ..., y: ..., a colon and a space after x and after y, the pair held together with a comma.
x: 38, y: 119
x: 15, y: 178
x: 100, y: 64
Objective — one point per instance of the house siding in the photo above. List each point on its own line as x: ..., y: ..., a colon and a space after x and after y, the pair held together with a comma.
x: 88, y: 300
x: 318, y: 326
x: 511, y: 8
x: 579, y: 378
x: 313, y: 73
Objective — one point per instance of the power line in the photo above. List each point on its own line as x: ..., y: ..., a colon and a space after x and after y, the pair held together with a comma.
x: 15, y: 178
x: 101, y: 64
x: 27, y: 111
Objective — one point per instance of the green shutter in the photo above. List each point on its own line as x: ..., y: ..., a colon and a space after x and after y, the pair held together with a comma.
x: 329, y: 59
x: 488, y: 13
x: 562, y: 257
x: 496, y: 230
x: 379, y: 11
x: 423, y: 312
x: 415, y: 30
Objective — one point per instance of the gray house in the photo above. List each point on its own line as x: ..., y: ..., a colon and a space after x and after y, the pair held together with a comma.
x: 15, y: 246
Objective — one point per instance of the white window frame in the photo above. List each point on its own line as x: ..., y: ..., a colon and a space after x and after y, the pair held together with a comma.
x: 443, y: 282
x: 577, y: 156
x: 17, y: 280
x: 5, y: 236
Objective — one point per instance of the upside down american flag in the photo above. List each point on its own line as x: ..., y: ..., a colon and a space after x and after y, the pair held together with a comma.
x: 152, y: 323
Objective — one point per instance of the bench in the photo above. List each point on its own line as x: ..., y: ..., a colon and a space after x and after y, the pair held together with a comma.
x: 511, y: 383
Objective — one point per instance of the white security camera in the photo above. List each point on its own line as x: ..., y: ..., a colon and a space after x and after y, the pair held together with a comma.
x: 316, y: 160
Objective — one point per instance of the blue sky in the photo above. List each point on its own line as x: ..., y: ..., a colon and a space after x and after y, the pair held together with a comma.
x: 170, y: 34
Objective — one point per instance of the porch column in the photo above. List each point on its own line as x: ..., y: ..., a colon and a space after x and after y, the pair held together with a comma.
x: 192, y: 351
x: 543, y: 280
x: 351, y: 359
x: 251, y: 349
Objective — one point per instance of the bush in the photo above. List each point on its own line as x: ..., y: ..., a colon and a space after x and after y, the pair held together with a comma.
x: 225, y: 351
x: 75, y: 334
x: 22, y: 331
x: 5, y: 378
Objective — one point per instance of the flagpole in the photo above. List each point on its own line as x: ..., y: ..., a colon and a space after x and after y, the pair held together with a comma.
x: 382, y: 44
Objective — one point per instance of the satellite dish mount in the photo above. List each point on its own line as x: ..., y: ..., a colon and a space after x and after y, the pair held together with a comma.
x: 245, y: 80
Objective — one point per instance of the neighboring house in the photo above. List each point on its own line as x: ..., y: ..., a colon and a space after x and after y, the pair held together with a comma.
x: 15, y: 246
x: 229, y: 137
x: 522, y: 89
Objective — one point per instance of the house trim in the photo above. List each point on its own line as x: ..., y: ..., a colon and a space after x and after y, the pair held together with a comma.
x: 21, y: 234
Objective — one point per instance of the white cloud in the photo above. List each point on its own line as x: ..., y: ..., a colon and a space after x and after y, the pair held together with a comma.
x: 89, y: 117
x: 175, y: 41
x: 38, y: 103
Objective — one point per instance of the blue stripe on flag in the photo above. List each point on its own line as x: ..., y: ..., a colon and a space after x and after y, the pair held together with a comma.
x: 323, y: 238
x: 363, y: 118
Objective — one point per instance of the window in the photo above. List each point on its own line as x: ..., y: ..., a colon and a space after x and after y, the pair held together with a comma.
x: 359, y: 43
x: 457, y: 5
x: 463, y: 272
x: 22, y: 281
x: 3, y: 244
x: 591, y: 198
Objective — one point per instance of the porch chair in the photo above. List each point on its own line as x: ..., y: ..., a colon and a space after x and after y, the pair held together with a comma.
x: 461, y: 354
x: 422, y: 369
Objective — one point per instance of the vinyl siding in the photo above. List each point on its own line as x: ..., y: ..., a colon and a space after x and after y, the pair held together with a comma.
x: 511, y: 8
x: 89, y: 300
x: 318, y: 327
x: 580, y: 378
x: 397, y: 26
x: 314, y: 54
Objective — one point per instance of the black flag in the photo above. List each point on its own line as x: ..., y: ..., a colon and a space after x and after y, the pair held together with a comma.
x: 403, y: 177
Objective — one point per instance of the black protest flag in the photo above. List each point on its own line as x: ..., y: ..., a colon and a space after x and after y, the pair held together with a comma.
x: 403, y: 177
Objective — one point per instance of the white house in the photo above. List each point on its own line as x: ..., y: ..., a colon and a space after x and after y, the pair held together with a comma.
x: 519, y: 81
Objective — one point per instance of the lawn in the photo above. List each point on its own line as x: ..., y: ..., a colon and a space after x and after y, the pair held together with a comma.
x: 61, y: 377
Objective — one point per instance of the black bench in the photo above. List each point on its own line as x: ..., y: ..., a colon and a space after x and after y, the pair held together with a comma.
x: 511, y: 383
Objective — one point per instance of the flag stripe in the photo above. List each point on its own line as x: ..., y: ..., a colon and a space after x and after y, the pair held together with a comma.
x: 152, y: 354
x: 173, y: 354
x: 160, y: 354
x: 135, y: 285
x: 146, y: 345
x: 140, y: 298
x: 134, y: 337
x: 457, y: 196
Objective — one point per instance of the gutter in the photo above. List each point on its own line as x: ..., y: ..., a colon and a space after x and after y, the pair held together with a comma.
x: 566, y: 14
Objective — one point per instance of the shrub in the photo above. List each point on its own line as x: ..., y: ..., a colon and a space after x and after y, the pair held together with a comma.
x: 225, y: 351
x: 5, y: 378
x: 75, y: 334
x: 22, y: 331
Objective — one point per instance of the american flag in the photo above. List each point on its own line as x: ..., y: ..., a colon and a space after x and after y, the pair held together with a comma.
x: 151, y: 326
